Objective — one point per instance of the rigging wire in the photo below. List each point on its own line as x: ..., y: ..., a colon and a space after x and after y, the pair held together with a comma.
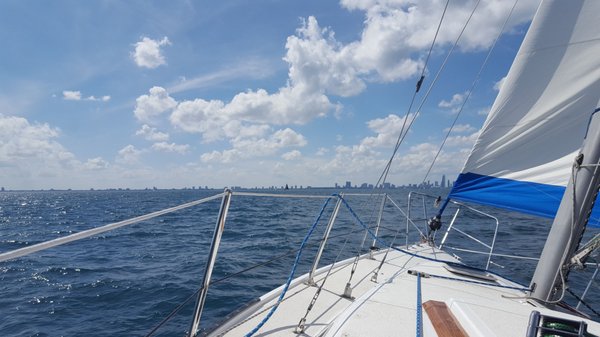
x: 383, y: 178
x: 240, y: 272
x: 470, y: 91
x: 292, y: 272
x: 300, y: 328
x: 403, y: 131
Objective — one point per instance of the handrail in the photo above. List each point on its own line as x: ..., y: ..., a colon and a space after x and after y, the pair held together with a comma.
x: 98, y: 230
x: 379, y: 216
x: 587, y: 288
x: 332, y: 218
x: 452, y: 227
x: 210, y: 262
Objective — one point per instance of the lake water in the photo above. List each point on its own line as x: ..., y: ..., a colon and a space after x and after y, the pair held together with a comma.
x: 124, y: 282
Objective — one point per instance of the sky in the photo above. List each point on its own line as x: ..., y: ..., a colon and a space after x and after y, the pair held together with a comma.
x: 172, y: 94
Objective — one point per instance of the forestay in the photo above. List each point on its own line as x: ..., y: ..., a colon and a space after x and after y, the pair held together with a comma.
x: 523, y: 157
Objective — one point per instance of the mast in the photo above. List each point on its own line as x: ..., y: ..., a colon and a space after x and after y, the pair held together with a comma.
x: 548, y: 282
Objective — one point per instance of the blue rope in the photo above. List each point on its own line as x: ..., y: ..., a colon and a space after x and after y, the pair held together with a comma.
x: 419, y: 307
x: 383, y: 242
x: 291, y: 276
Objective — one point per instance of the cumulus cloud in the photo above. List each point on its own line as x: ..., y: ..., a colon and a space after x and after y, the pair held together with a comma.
x: 461, y: 128
x: 316, y: 60
x: 466, y: 142
x: 30, y: 151
x: 22, y: 141
x: 391, y: 47
x: 96, y: 164
x: 322, y: 151
x: 247, y: 147
x: 152, y: 134
x: 149, y: 107
x: 394, y: 28
x: 71, y: 95
x: 171, y: 147
x: 292, y: 155
x: 498, y: 85
x: 148, y: 53
x: 484, y: 111
x: 454, y: 103
x: 128, y: 155
x: 387, y: 130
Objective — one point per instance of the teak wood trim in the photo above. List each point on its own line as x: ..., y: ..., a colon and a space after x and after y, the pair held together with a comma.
x: 444, y: 322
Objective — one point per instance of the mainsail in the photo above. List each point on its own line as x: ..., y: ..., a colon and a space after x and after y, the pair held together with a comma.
x: 525, y: 152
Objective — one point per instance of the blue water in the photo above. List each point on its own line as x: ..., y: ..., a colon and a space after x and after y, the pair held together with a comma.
x: 124, y: 282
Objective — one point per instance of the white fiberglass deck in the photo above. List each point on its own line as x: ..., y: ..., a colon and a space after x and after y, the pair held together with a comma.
x: 388, y: 307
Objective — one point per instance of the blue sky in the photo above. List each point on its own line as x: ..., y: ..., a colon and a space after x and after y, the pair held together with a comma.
x: 101, y: 94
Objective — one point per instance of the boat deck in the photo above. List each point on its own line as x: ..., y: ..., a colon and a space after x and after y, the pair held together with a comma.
x: 480, y: 305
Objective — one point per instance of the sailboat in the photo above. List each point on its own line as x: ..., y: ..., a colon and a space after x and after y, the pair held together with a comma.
x: 538, y: 153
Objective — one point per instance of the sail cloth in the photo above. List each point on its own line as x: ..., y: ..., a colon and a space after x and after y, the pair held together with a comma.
x: 523, y: 157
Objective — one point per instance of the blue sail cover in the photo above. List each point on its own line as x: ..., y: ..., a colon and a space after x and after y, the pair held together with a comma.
x: 524, y: 155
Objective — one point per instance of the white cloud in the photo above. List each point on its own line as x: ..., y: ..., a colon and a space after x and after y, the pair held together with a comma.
x: 461, y: 128
x: 322, y: 151
x: 152, y: 134
x: 128, y: 155
x: 466, y: 142
x: 391, y: 47
x: 395, y: 28
x: 30, y: 153
x: 236, y: 129
x: 149, y: 107
x: 148, y: 52
x: 387, y: 130
x: 318, y: 61
x: 200, y: 116
x: 96, y: 164
x: 291, y: 105
x: 22, y: 141
x: 454, y: 103
x: 249, y: 68
x: 498, y: 85
x: 292, y: 155
x: 69, y: 95
x: 171, y: 147
x: 484, y: 111
x: 257, y: 147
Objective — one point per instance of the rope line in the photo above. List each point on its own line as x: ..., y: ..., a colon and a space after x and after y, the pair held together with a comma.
x: 470, y: 92
x: 292, y: 272
x: 471, y: 281
x: 419, y: 307
x: 580, y: 300
x: 383, y: 177
x: 262, y: 264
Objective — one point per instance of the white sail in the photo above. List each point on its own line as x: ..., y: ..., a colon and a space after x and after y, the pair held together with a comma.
x: 527, y: 146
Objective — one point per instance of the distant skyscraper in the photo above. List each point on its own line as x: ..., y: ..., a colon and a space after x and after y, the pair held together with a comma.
x: 443, y: 180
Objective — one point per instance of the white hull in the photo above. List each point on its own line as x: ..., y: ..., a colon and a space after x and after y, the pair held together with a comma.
x: 388, y: 307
